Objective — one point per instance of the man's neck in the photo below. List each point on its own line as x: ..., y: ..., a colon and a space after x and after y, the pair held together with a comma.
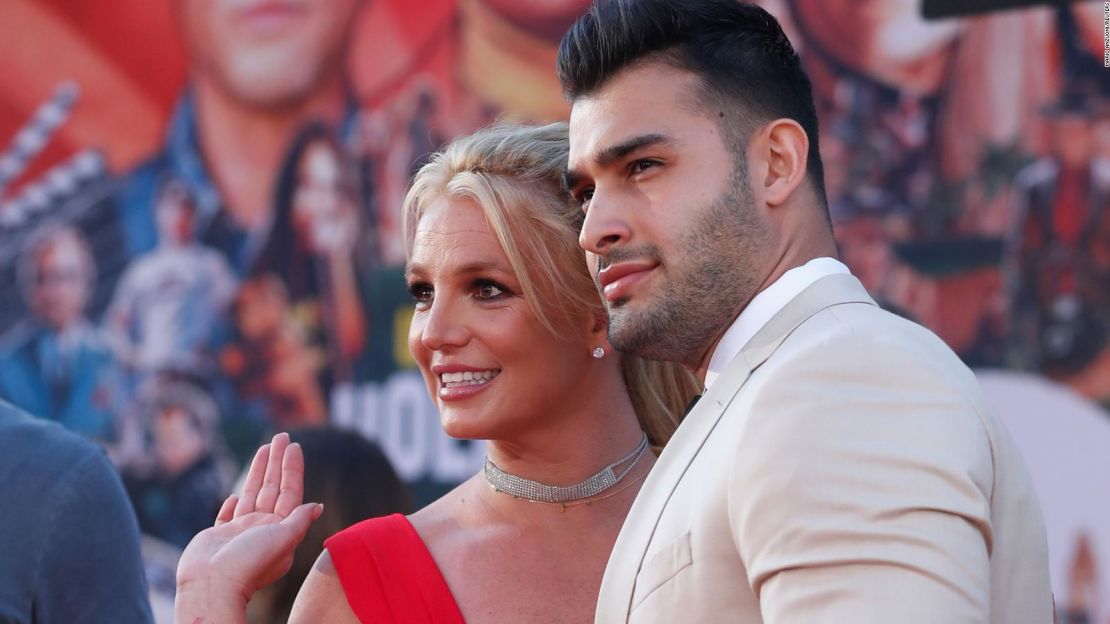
x: 818, y: 245
x: 243, y: 146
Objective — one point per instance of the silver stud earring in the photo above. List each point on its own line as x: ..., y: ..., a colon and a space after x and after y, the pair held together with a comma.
x: 598, y: 352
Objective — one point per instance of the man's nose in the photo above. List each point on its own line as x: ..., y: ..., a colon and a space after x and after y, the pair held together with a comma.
x: 606, y: 225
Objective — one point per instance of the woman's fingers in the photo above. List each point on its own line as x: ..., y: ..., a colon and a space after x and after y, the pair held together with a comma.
x: 271, y: 481
x: 292, y: 481
x: 296, y: 524
x: 227, y: 510
x: 254, y: 481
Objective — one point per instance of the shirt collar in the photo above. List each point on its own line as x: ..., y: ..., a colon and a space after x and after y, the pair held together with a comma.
x: 765, y: 305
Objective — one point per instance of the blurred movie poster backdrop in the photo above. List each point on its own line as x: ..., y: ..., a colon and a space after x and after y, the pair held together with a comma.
x: 200, y: 237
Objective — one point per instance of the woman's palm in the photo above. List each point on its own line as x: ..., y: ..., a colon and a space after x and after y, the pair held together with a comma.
x: 252, y: 542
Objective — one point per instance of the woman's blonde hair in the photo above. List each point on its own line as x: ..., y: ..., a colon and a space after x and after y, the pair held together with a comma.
x: 515, y: 175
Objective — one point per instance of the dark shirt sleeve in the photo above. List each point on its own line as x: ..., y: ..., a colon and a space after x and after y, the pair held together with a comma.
x: 91, y: 570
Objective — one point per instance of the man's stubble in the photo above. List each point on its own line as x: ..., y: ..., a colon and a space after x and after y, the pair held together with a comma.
x: 702, y: 287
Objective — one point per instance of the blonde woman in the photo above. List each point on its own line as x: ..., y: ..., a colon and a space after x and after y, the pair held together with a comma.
x: 510, y: 335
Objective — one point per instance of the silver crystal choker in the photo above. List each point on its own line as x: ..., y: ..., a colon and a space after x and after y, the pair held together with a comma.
x: 536, y: 492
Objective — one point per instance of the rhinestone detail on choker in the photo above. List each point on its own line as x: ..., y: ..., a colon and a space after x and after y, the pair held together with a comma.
x: 537, y: 492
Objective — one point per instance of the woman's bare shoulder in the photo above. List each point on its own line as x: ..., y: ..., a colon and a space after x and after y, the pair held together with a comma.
x: 321, y: 598
x: 450, y: 516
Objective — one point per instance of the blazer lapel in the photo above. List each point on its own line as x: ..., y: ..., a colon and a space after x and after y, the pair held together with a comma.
x: 628, y: 554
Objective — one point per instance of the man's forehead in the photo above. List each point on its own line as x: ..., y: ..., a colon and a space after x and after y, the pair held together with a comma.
x: 638, y: 101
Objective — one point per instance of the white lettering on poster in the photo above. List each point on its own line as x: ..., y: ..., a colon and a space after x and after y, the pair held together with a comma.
x: 399, y: 416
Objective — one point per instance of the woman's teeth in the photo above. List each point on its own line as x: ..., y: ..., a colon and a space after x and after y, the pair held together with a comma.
x: 468, y: 378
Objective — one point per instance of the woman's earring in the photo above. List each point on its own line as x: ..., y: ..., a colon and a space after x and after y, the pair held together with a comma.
x: 599, y: 352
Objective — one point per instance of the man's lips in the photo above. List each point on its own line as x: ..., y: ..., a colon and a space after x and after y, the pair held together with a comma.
x: 617, y: 279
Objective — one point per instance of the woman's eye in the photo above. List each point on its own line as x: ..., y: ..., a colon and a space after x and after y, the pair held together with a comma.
x: 421, y: 294
x: 489, y: 290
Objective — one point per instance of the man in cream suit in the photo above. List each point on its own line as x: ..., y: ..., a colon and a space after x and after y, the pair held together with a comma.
x: 842, y: 465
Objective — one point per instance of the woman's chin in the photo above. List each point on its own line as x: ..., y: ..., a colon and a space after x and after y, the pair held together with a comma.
x: 462, y: 426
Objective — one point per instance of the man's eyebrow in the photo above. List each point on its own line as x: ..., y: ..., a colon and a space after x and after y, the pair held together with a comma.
x: 613, y: 153
x: 618, y: 151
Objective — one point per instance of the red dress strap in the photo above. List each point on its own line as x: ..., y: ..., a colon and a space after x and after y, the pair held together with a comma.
x: 388, y: 575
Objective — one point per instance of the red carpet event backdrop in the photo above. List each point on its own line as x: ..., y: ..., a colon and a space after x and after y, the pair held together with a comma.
x: 200, y: 238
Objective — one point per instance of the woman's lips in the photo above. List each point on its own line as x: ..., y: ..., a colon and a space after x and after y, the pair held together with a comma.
x: 463, y: 385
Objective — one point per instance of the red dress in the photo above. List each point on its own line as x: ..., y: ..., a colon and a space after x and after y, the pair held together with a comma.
x: 388, y: 575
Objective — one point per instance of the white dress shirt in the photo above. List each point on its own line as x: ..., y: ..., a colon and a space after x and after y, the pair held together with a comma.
x: 764, y: 306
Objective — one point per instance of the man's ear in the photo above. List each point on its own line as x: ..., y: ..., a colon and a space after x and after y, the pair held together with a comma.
x: 785, y: 148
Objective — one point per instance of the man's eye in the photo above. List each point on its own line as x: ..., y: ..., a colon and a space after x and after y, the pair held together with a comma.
x: 584, y: 197
x: 643, y: 164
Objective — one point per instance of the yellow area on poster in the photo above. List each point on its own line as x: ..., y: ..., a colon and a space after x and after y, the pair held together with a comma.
x: 402, y: 318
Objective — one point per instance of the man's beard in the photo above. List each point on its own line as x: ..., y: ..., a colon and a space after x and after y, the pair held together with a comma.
x: 698, y: 293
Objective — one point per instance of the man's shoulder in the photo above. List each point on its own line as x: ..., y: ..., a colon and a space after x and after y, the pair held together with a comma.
x: 37, y: 447
x: 856, y: 377
x: 864, y: 346
x: 853, y: 326
x: 41, y: 464
x: 853, y: 370
x: 76, y: 542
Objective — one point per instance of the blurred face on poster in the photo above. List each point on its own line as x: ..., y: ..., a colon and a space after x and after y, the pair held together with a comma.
x: 61, y: 276
x: 175, y: 217
x: 260, y: 308
x: 322, y: 214
x: 267, y: 53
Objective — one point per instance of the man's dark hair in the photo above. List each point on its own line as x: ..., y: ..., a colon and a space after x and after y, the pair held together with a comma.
x: 737, y: 50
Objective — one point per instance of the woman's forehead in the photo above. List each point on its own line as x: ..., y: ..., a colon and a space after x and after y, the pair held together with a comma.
x: 455, y: 233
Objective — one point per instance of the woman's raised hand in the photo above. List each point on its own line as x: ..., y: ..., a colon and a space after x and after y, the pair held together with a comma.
x: 252, y: 542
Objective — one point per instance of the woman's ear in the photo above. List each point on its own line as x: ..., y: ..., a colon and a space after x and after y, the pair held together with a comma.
x: 600, y: 324
x: 599, y: 336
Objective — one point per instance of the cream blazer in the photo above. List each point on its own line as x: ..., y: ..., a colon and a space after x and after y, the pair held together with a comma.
x: 845, y: 468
